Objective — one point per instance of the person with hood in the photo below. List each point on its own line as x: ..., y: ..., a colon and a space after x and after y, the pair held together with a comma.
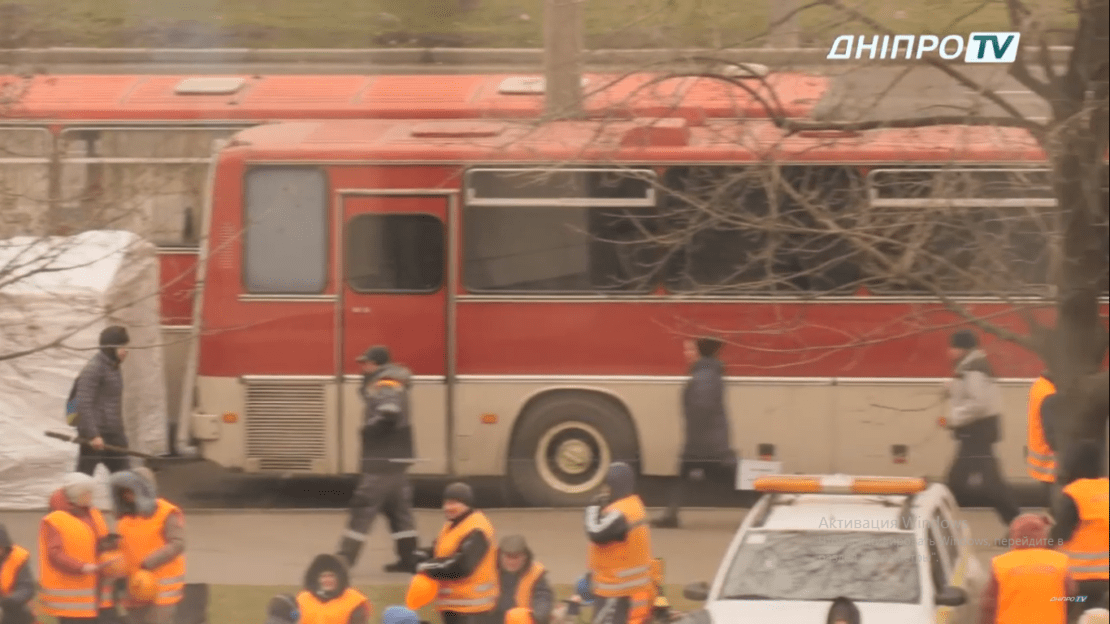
x: 17, y: 582
x: 843, y: 611
x: 523, y: 581
x: 975, y: 412
x: 70, y: 540
x: 1082, y: 529
x: 620, y: 560
x: 283, y: 610
x: 152, y: 532
x: 99, y: 395
x: 387, y: 454
x: 1028, y: 583
x: 706, y: 455
x: 328, y: 597
x: 463, y: 561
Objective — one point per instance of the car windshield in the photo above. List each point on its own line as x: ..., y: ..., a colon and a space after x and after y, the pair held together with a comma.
x: 821, y: 565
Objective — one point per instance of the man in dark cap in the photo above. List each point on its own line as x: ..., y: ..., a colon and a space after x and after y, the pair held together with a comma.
x: 621, y: 565
x: 463, y: 561
x: 387, y: 453
x: 1082, y: 528
x: 523, y: 582
x: 707, y: 456
x: 975, y: 404
x: 99, y: 396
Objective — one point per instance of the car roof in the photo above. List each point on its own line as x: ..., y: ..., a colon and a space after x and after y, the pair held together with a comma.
x: 848, y: 512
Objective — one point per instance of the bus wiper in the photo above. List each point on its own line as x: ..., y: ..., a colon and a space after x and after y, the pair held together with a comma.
x: 748, y: 597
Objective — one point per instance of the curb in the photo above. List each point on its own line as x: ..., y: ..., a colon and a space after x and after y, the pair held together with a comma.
x: 421, y: 56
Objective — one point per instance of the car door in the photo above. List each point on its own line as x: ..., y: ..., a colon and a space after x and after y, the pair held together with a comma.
x: 940, y: 568
x: 956, y: 537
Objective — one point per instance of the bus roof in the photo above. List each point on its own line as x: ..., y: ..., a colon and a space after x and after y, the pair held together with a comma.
x: 642, y: 140
x: 149, y: 98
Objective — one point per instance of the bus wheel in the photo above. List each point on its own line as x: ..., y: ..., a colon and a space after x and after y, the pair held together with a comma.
x: 563, y: 445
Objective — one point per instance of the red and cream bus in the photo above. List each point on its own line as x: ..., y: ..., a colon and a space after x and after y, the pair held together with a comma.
x: 134, y: 149
x: 537, y: 353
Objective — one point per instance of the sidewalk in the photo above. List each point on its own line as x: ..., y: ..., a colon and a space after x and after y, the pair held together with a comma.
x: 262, y: 547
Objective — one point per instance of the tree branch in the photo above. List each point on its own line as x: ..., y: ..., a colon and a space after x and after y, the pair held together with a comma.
x: 1020, y: 70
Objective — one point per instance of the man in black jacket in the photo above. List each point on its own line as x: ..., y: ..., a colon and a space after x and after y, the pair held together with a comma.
x: 466, y: 572
x: 523, y: 581
x: 100, y: 404
x: 387, y: 453
x: 17, y: 585
x: 707, y: 455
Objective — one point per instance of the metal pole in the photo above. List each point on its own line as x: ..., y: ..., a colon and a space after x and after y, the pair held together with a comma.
x: 562, y: 57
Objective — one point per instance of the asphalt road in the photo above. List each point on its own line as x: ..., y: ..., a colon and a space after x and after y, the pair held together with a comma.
x: 272, y: 547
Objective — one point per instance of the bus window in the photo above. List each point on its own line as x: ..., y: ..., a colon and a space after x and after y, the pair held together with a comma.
x: 757, y: 230
x: 561, y: 231
x: 285, y: 245
x: 395, y: 253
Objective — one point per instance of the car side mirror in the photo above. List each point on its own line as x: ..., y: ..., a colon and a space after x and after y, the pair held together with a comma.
x: 697, y: 592
x: 951, y: 597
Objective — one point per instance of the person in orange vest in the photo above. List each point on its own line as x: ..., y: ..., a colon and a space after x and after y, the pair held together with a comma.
x: 17, y: 583
x: 1082, y: 529
x: 1030, y: 583
x: 523, y: 582
x: 621, y: 565
x: 152, y: 532
x: 328, y: 597
x: 463, y: 561
x: 71, y: 586
x: 1040, y: 458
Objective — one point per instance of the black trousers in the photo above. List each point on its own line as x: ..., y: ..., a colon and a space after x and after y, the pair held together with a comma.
x: 89, y: 458
x: 1095, y: 592
x: 975, y: 477
x: 388, y: 493
x: 700, y: 475
x: 12, y: 616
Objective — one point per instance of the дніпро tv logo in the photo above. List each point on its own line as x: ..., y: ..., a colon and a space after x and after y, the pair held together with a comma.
x: 979, y: 47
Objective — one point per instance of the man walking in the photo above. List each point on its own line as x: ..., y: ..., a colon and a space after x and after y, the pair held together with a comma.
x: 707, y: 456
x: 387, y: 453
x: 99, y: 395
x: 975, y: 413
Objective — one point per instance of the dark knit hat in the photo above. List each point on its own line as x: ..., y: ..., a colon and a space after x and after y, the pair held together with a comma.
x: 843, y: 610
x: 514, y: 545
x: 708, y: 347
x: 376, y: 354
x: 964, y: 339
x: 114, y: 336
x: 459, y: 492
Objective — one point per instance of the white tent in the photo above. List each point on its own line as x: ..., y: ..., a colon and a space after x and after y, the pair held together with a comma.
x: 56, y: 295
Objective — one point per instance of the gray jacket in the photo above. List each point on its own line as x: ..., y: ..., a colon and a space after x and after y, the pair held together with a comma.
x: 973, y: 393
x: 100, y: 400
x: 703, y: 405
x: 387, y: 443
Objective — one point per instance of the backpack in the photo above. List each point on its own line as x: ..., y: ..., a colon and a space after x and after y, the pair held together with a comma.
x: 72, y: 417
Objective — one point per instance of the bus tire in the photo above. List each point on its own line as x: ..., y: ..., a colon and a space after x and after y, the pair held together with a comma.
x: 562, y: 447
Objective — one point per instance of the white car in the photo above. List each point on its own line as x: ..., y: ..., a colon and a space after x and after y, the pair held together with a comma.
x: 896, y: 547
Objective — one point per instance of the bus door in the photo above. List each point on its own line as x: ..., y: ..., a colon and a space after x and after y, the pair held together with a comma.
x: 395, y: 293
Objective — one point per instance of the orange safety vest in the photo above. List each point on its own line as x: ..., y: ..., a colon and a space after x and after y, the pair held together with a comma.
x: 624, y: 568
x: 478, y: 592
x: 1039, y: 458
x: 337, y: 611
x: 1089, y: 546
x: 527, y: 585
x: 1032, y: 583
x: 142, y: 536
x: 16, y: 558
x: 73, y: 595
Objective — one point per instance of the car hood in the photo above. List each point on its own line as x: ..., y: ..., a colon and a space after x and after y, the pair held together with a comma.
x: 790, y: 612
